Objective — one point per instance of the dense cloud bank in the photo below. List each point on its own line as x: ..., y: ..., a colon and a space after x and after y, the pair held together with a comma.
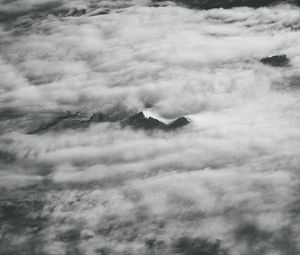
x: 210, y: 4
x: 227, y: 183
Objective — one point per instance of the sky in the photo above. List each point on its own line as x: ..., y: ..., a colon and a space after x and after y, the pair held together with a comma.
x: 227, y: 183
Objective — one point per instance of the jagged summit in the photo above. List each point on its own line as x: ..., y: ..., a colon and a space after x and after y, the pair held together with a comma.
x: 70, y: 120
x: 277, y: 60
x: 140, y: 121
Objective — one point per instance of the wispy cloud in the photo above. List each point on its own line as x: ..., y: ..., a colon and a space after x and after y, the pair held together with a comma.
x: 230, y: 175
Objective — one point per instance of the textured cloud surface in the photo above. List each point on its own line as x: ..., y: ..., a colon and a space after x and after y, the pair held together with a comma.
x: 228, y: 183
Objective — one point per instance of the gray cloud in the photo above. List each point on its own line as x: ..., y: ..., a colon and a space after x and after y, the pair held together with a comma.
x: 228, y: 183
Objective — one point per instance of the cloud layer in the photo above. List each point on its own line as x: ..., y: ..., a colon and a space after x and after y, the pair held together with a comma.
x: 228, y: 183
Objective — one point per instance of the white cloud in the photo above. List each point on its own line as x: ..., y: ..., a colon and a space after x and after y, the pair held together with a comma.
x: 233, y: 169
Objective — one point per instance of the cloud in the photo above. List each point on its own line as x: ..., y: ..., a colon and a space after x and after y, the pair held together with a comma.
x: 231, y: 175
